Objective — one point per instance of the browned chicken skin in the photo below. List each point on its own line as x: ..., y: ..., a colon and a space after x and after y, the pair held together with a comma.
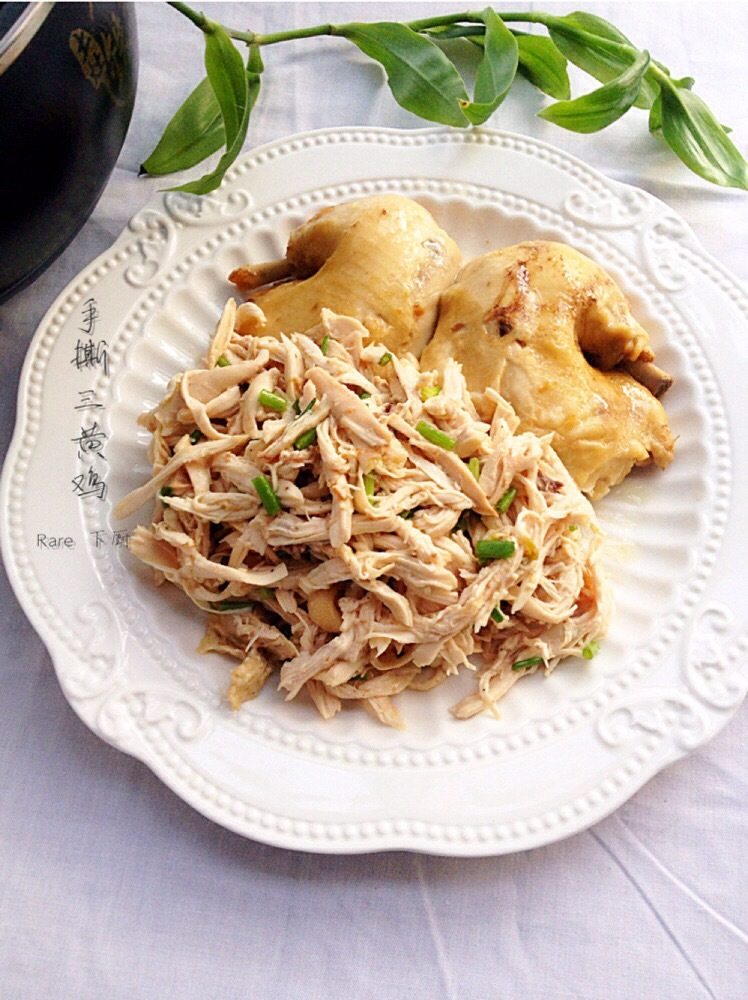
x: 553, y: 333
x: 382, y: 260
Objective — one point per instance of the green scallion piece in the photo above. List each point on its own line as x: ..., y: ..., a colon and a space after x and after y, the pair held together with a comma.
x: 429, y: 391
x: 435, y: 436
x: 385, y: 359
x: 166, y: 491
x: 325, y: 345
x: 305, y: 440
x: 298, y: 410
x: 591, y: 649
x: 573, y: 527
x: 462, y: 523
x: 497, y: 616
x: 232, y: 605
x: 494, y: 548
x: 266, y: 593
x: 272, y: 401
x: 474, y: 466
x: 531, y: 661
x: 369, y: 484
x: 223, y: 362
x: 407, y: 515
x: 365, y: 395
x: 506, y: 500
x: 196, y: 436
x: 267, y: 495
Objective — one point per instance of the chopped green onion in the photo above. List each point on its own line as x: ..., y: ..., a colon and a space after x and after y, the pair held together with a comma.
x: 272, y: 401
x: 429, y: 391
x: 166, y: 491
x: 305, y: 440
x: 462, y: 522
x: 232, y: 605
x: 497, y: 615
x: 267, y: 494
x: 365, y: 395
x: 369, y: 484
x: 223, y: 362
x: 573, y: 527
x: 325, y: 345
x: 506, y: 500
x: 437, y: 437
x: 494, y: 548
x: 531, y: 661
x: 474, y: 466
x: 407, y: 515
x: 298, y: 410
x: 266, y: 593
x: 196, y: 436
x: 385, y: 359
x: 591, y: 649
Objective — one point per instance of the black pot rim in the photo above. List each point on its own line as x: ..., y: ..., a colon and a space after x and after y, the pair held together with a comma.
x: 22, y: 30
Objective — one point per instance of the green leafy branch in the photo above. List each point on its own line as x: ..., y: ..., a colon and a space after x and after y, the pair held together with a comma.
x: 425, y: 81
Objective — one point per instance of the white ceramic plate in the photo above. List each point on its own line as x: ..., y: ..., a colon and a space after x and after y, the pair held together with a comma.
x: 568, y: 749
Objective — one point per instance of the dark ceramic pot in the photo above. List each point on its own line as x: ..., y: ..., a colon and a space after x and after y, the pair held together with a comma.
x: 67, y: 86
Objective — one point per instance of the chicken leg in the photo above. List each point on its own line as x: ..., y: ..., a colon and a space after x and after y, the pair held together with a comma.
x: 550, y: 330
x: 382, y: 260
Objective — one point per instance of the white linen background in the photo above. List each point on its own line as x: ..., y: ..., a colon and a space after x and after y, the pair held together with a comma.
x: 111, y: 887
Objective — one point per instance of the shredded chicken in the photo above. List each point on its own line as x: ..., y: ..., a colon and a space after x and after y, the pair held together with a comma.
x: 329, y: 506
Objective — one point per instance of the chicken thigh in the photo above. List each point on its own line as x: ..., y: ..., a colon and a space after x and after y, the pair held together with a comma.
x: 553, y: 333
x: 382, y: 260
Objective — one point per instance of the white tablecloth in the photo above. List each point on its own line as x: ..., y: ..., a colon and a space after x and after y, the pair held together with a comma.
x: 111, y: 887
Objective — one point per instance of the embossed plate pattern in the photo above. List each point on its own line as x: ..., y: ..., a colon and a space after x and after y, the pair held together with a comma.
x: 567, y: 749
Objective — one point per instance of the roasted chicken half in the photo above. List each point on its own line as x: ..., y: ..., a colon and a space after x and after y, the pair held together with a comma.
x: 553, y: 333
x: 382, y: 260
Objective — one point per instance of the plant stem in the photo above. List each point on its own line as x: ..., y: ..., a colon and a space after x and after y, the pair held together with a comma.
x: 441, y: 19
x: 438, y: 21
x: 198, y: 18
x: 288, y: 36
x: 192, y: 15
x: 339, y: 29
x: 659, y: 75
x: 335, y: 29
x: 313, y: 31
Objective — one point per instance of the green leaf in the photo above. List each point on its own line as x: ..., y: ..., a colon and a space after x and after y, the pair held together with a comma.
x: 655, y: 112
x: 655, y: 115
x: 443, y: 32
x: 599, y: 48
x: 225, y: 70
x: 603, y: 106
x: 496, y: 70
x: 543, y: 65
x: 195, y: 132
x: 597, y: 26
x: 421, y: 77
x: 210, y: 181
x: 698, y: 139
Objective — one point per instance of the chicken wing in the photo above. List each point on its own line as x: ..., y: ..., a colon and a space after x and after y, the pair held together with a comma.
x: 382, y: 260
x: 553, y: 333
